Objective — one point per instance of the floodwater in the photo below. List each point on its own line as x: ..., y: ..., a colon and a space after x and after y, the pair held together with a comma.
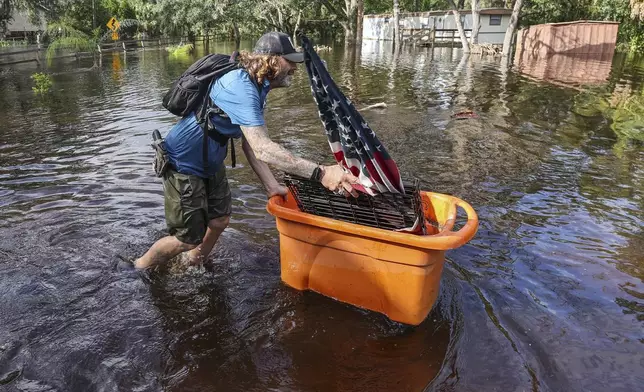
x: 549, y: 296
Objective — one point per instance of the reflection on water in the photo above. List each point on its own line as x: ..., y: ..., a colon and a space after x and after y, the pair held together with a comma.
x: 586, y: 69
x: 548, y: 296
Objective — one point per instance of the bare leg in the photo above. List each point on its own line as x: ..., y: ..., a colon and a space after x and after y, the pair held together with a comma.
x: 215, y: 227
x: 162, y: 251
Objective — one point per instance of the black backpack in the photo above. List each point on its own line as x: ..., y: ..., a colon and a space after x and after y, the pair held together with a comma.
x: 190, y: 93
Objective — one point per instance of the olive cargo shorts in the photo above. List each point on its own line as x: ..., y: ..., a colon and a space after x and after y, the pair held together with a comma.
x: 191, y: 201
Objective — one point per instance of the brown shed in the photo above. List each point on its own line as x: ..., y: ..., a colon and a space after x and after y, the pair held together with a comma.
x: 570, y: 38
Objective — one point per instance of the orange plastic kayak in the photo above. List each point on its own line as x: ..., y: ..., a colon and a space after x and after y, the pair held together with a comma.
x: 397, y: 274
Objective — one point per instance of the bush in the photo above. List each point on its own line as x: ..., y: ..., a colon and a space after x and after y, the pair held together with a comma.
x: 180, y: 50
x: 42, y: 82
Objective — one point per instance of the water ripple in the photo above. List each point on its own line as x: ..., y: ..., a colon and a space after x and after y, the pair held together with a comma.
x: 547, y: 296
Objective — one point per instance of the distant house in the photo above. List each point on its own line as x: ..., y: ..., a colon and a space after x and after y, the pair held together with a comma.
x: 493, y: 22
x: 21, y: 26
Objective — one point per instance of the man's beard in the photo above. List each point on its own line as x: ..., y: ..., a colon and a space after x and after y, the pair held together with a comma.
x: 282, y: 80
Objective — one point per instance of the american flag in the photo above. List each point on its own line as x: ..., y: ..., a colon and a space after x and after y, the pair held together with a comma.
x: 354, y: 144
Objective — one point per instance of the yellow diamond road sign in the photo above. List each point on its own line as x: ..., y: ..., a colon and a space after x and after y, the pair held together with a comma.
x: 113, y: 24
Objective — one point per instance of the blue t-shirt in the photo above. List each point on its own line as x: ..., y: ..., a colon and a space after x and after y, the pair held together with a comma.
x: 237, y: 95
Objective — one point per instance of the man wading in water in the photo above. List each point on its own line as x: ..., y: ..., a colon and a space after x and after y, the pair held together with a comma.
x: 198, y: 203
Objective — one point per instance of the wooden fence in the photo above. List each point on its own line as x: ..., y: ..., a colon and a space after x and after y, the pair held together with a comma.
x: 11, y: 57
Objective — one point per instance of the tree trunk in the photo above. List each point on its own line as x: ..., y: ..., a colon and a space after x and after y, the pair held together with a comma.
x: 459, y: 27
x: 476, y: 21
x: 237, y: 36
x: 297, y: 25
x: 396, y: 22
x: 349, y: 34
x: 272, y: 22
x: 347, y: 17
x: 351, y: 13
x: 348, y: 71
x: 280, y: 18
x: 391, y: 80
x: 509, y: 33
x: 359, y: 21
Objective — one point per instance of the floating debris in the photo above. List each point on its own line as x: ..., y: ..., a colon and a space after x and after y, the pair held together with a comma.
x: 465, y: 115
x: 322, y: 48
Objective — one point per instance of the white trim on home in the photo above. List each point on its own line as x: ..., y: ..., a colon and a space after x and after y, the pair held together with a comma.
x: 381, y: 27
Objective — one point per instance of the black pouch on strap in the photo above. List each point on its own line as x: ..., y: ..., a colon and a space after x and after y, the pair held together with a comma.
x: 160, y: 163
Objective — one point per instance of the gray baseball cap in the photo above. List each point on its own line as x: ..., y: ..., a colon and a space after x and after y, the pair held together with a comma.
x: 279, y: 44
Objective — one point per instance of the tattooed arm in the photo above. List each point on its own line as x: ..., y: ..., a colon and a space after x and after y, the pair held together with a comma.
x: 275, y: 155
x: 263, y: 172
x: 268, y: 151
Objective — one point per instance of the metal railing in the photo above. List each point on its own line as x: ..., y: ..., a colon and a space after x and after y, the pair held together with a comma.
x: 446, y: 36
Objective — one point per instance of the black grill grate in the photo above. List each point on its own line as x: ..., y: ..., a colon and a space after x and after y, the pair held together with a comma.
x: 385, y: 211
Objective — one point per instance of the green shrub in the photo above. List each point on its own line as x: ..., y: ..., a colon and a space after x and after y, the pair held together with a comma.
x: 42, y: 82
x: 180, y: 50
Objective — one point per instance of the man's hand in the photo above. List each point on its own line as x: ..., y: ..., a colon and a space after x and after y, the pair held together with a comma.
x: 259, y: 146
x: 336, y: 179
x: 278, y: 191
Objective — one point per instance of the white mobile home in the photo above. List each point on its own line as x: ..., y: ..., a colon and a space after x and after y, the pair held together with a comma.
x: 493, y: 23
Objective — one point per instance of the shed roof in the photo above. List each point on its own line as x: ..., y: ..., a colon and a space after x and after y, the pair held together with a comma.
x: 484, y: 11
x: 582, y: 22
x: 496, y: 11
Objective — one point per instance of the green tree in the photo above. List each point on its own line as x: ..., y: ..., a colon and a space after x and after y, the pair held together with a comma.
x: 120, y: 9
x: 384, y: 6
x: 64, y: 36
x: 243, y: 17
x: 284, y: 15
x: 35, y: 9
x: 345, y: 13
x: 626, y: 12
x: 147, y: 13
x: 6, y: 12
x: 74, y: 14
x: 637, y: 9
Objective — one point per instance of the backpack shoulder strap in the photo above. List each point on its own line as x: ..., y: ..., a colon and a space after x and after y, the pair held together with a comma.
x: 203, y: 117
